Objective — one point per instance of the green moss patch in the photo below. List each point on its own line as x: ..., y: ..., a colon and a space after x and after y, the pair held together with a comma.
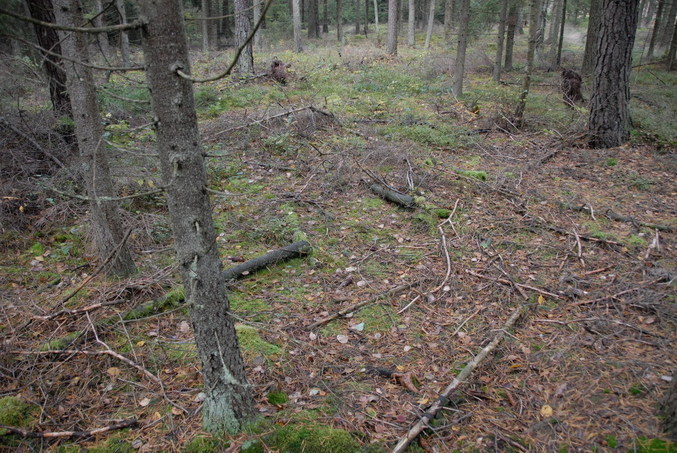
x: 252, y: 344
x: 14, y: 412
x: 312, y: 439
x: 59, y: 344
x: 172, y: 299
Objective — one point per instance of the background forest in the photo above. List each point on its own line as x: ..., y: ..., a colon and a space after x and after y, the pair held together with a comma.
x: 338, y: 226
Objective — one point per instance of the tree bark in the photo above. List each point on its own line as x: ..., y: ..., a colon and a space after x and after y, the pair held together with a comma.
x: 124, y: 36
x: 459, y: 65
x: 609, y: 123
x: 48, y: 39
x: 510, y: 35
x: 670, y: 57
x: 448, y: 19
x: 656, y: 28
x: 102, y: 38
x: 296, y: 18
x: 411, y: 24
x: 668, y: 410
x: 245, y: 64
x: 378, y: 33
x: 431, y: 22
x: 533, y: 38
x: 500, y: 38
x: 325, y: 22
x: 666, y: 29
x: 594, y: 22
x: 204, y: 26
x: 392, y: 27
x: 295, y: 250
x: 339, y: 21
x: 229, y: 403
x: 358, y: 9
x: 105, y: 225
x: 313, y: 19
x: 257, y: 17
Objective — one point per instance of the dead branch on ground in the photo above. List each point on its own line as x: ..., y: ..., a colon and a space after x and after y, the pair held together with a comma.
x: 295, y: 250
x: 130, y: 422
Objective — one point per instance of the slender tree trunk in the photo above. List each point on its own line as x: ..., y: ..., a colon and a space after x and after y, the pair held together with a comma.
x: 358, y: 9
x: 656, y: 28
x: 594, y: 23
x: 411, y: 24
x: 245, y: 64
x: 48, y: 39
x: 124, y: 36
x: 560, y: 39
x: 227, y: 21
x: 459, y: 66
x: 366, y: 17
x: 556, y: 28
x: 392, y: 27
x: 670, y: 57
x: 499, y: 39
x: 325, y: 21
x: 257, y: 17
x: 213, y: 25
x: 666, y: 29
x: 204, y: 29
x: 609, y: 123
x: 378, y: 33
x: 431, y: 22
x: 229, y: 403
x: 106, y: 226
x: 98, y: 22
x: 526, y: 83
x: 296, y: 17
x: 510, y: 35
x: 448, y: 19
x: 339, y: 21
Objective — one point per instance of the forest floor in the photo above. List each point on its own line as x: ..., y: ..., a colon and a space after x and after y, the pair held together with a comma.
x: 584, y: 239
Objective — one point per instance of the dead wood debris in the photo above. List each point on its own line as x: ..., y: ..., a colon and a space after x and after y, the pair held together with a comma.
x: 129, y: 423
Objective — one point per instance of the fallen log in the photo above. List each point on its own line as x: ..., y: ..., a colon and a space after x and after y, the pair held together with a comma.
x: 62, y: 434
x: 458, y: 380
x: 294, y: 250
x: 403, y: 200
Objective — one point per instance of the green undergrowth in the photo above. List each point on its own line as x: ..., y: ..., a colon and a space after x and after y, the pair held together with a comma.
x: 252, y: 345
x: 170, y: 300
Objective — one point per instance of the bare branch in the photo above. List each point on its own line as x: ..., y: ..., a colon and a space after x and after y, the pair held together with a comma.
x: 121, y: 27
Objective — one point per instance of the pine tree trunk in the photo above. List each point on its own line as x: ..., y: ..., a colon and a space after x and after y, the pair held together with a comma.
x: 102, y: 38
x: 411, y: 24
x: 448, y: 19
x: 666, y: 29
x: 257, y: 17
x: 245, y: 64
x: 656, y: 28
x: 124, y: 36
x: 500, y: 38
x: 358, y: 9
x: 594, y: 23
x: 609, y: 123
x: 510, y: 36
x: 313, y: 19
x: 670, y: 57
x: 534, y: 12
x: 431, y: 23
x: 296, y: 17
x: 229, y: 402
x: 325, y: 22
x: 106, y: 226
x: 378, y: 33
x: 339, y: 21
x: 392, y: 27
x: 459, y: 64
x: 49, y: 39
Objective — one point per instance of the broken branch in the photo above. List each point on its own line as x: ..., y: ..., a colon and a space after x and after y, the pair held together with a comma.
x: 294, y: 250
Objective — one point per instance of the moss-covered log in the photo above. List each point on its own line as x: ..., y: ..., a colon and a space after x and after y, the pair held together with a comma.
x: 294, y: 250
x: 403, y: 200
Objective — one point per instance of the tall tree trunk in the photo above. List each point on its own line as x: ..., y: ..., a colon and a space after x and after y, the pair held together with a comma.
x: 245, y: 64
x: 656, y: 28
x: 106, y: 226
x: 257, y: 17
x: 366, y: 17
x: 204, y: 29
x: 534, y: 12
x: 594, y: 23
x: 313, y: 19
x: 560, y: 39
x: 392, y: 27
x: 124, y: 36
x: 459, y: 65
x: 499, y: 39
x: 448, y: 19
x: 227, y: 21
x: 296, y: 18
x: 666, y: 29
x: 378, y: 32
x: 48, y: 39
x: 411, y: 24
x: 670, y: 57
x: 102, y: 38
x: 431, y: 22
x: 229, y: 403
x: 556, y: 28
x: 213, y: 24
x: 325, y: 22
x: 609, y: 123
x: 339, y: 21
x: 510, y: 35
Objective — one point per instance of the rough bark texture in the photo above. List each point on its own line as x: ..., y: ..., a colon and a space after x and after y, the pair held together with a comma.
x: 396, y: 197
x: 459, y: 65
x: 105, y: 219
x: 594, y: 22
x: 499, y: 40
x: 448, y: 19
x: 257, y: 17
x: 48, y: 39
x: 245, y: 64
x: 392, y: 27
x: 229, y: 401
x: 534, y: 12
x: 668, y: 410
x: 666, y: 29
x: 124, y: 36
x: 325, y: 20
x: 609, y: 123
x: 510, y: 36
x: 670, y: 57
x: 313, y: 19
x: 296, y: 24
x: 431, y: 22
x: 294, y: 250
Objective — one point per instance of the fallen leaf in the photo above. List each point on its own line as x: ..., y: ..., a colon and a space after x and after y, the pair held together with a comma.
x: 114, y: 371
x: 541, y: 299
x: 546, y: 411
x: 343, y: 339
x: 144, y: 402
x: 176, y: 411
